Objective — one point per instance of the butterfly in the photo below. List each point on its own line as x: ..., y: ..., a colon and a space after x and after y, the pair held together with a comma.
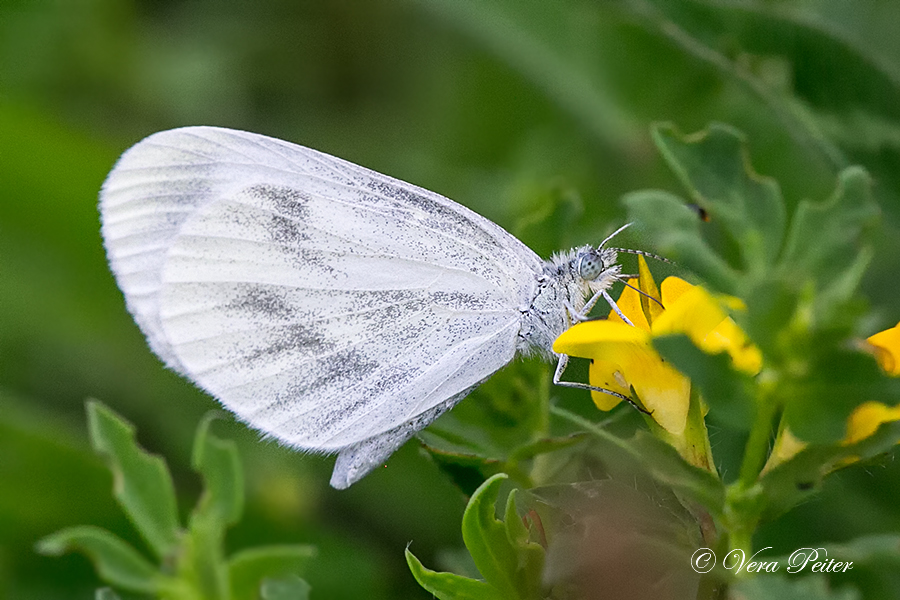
x: 336, y: 309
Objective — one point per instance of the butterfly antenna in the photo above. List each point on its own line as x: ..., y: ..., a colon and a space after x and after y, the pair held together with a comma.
x: 643, y: 293
x: 642, y: 253
x: 615, y: 233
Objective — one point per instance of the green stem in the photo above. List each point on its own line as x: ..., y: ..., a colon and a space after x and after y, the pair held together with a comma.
x: 742, y: 507
x: 757, y: 449
x: 542, y: 464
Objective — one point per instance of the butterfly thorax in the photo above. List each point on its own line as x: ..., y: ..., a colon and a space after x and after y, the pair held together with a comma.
x: 560, y: 291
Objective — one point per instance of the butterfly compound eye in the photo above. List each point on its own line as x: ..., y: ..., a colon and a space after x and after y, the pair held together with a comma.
x: 590, y: 265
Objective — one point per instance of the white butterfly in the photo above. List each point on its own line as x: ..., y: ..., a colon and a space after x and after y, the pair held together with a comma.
x: 334, y: 308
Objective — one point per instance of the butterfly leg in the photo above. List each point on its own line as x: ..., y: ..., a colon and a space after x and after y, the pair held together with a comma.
x: 589, y: 305
x: 557, y: 380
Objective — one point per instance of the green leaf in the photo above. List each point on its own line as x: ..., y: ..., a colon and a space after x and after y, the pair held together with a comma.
x: 531, y: 553
x: 201, y: 561
x: 724, y: 389
x: 248, y: 568
x: 779, y: 587
x: 825, y: 238
x: 697, y: 28
x: 218, y: 462
x: 485, y: 538
x: 714, y: 166
x: 105, y: 594
x: 116, y: 561
x: 510, y: 563
x: 659, y: 460
x: 771, y: 304
x: 142, y: 484
x: 833, y: 94
x: 800, y: 477
x: 468, y: 471
x: 837, y: 382
x: 544, y: 446
x: 450, y: 586
x: 675, y: 231
x: 284, y: 588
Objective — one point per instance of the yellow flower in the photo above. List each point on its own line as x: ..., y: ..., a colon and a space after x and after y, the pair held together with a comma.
x: 887, y: 349
x: 869, y: 416
x: 623, y: 356
x: 865, y: 418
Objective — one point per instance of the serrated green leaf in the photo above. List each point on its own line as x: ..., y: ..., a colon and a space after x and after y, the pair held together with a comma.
x: 201, y: 561
x: 485, y: 538
x: 825, y: 239
x: 285, y: 588
x: 142, y: 484
x: 723, y: 388
x: 715, y: 168
x: 835, y: 96
x: 248, y: 568
x: 779, y: 587
x: 117, y: 562
x: 675, y: 231
x: 450, y: 586
x: 218, y: 463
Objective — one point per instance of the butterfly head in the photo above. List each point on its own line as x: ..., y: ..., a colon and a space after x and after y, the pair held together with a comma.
x: 595, y: 265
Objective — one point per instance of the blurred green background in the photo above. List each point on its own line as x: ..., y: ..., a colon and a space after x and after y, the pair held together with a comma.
x: 533, y: 113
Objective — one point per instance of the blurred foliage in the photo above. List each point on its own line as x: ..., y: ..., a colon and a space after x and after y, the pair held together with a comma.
x: 192, y: 565
x: 534, y: 114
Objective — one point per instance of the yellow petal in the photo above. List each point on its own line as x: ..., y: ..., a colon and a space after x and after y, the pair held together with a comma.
x: 665, y: 392
x: 624, y: 358
x: 867, y: 418
x: 630, y: 304
x: 583, y: 339
x: 673, y: 288
x: 786, y: 447
x: 887, y: 346
x: 605, y: 374
x: 696, y: 313
x: 650, y: 308
x: 728, y: 336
